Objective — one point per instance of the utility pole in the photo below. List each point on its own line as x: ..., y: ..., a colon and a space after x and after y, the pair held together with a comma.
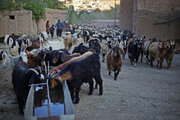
x: 115, y: 13
x: 135, y: 12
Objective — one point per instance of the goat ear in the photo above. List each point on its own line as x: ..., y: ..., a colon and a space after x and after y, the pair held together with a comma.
x: 27, y: 52
x: 29, y: 43
x: 160, y: 45
x: 10, y: 41
x: 54, y: 83
x: 4, y: 55
x: 63, y: 56
x: 121, y: 51
x: 171, y: 43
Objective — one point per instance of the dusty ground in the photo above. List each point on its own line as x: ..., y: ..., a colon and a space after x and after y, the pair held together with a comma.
x: 140, y: 93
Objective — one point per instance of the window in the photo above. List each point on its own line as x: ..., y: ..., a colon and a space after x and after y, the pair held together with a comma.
x: 12, y: 17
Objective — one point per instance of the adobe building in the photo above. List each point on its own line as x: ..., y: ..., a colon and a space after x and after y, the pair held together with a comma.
x: 21, y: 22
x: 153, y: 18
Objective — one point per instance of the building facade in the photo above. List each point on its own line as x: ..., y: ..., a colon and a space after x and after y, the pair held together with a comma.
x: 21, y: 22
x: 153, y: 18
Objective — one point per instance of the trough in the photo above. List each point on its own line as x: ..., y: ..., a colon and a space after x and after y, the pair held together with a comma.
x: 49, y: 104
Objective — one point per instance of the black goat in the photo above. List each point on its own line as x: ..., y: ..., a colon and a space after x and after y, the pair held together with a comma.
x: 134, y: 50
x: 78, y: 72
x: 22, y: 77
x: 80, y: 49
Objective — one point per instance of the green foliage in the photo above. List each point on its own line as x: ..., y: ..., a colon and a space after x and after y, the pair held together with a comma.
x: 84, y: 16
x: 55, y: 4
x: 71, y: 14
x: 37, y: 8
x: 8, y: 5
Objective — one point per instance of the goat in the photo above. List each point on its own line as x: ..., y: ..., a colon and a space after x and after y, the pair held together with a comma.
x: 78, y: 72
x: 134, y: 49
x: 60, y: 57
x: 114, y: 60
x: 38, y: 43
x: 67, y: 40
x: 22, y: 77
x: 157, y: 50
x: 80, y: 49
x: 104, y: 48
x: 170, y: 54
x: 58, y: 68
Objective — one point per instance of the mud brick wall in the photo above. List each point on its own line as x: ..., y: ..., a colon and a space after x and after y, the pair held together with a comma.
x: 21, y: 22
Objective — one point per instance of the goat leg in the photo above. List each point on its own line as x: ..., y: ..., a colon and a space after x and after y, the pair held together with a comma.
x: 77, y: 94
x: 157, y: 64
x: 91, y: 83
x: 115, y: 78
x: 96, y: 85
x: 109, y: 72
x: 71, y: 89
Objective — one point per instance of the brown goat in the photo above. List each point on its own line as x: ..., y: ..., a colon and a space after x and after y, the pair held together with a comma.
x: 157, y: 50
x: 114, y: 60
x: 67, y: 40
x: 170, y: 54
x: 35, y: 59
x: 63, y: 57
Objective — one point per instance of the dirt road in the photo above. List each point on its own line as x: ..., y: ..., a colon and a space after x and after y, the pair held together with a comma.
x: 140, y: 93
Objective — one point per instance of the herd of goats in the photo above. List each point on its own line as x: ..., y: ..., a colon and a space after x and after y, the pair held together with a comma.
x: 29, y: 58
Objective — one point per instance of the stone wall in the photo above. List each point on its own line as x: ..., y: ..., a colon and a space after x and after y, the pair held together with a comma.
x: 21, y: 22
x: 150, y: 12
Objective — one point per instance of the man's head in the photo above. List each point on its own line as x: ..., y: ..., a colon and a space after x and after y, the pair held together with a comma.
x: 59, y: 20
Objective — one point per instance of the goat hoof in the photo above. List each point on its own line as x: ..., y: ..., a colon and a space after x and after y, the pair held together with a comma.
x: 21, y: 112
x: 89, y: 93
x: 100, y: 93
x: 76, y: 102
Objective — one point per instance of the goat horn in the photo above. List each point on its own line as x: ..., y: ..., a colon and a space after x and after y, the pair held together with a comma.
x: 40, y: 69
x: 32, y: 69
